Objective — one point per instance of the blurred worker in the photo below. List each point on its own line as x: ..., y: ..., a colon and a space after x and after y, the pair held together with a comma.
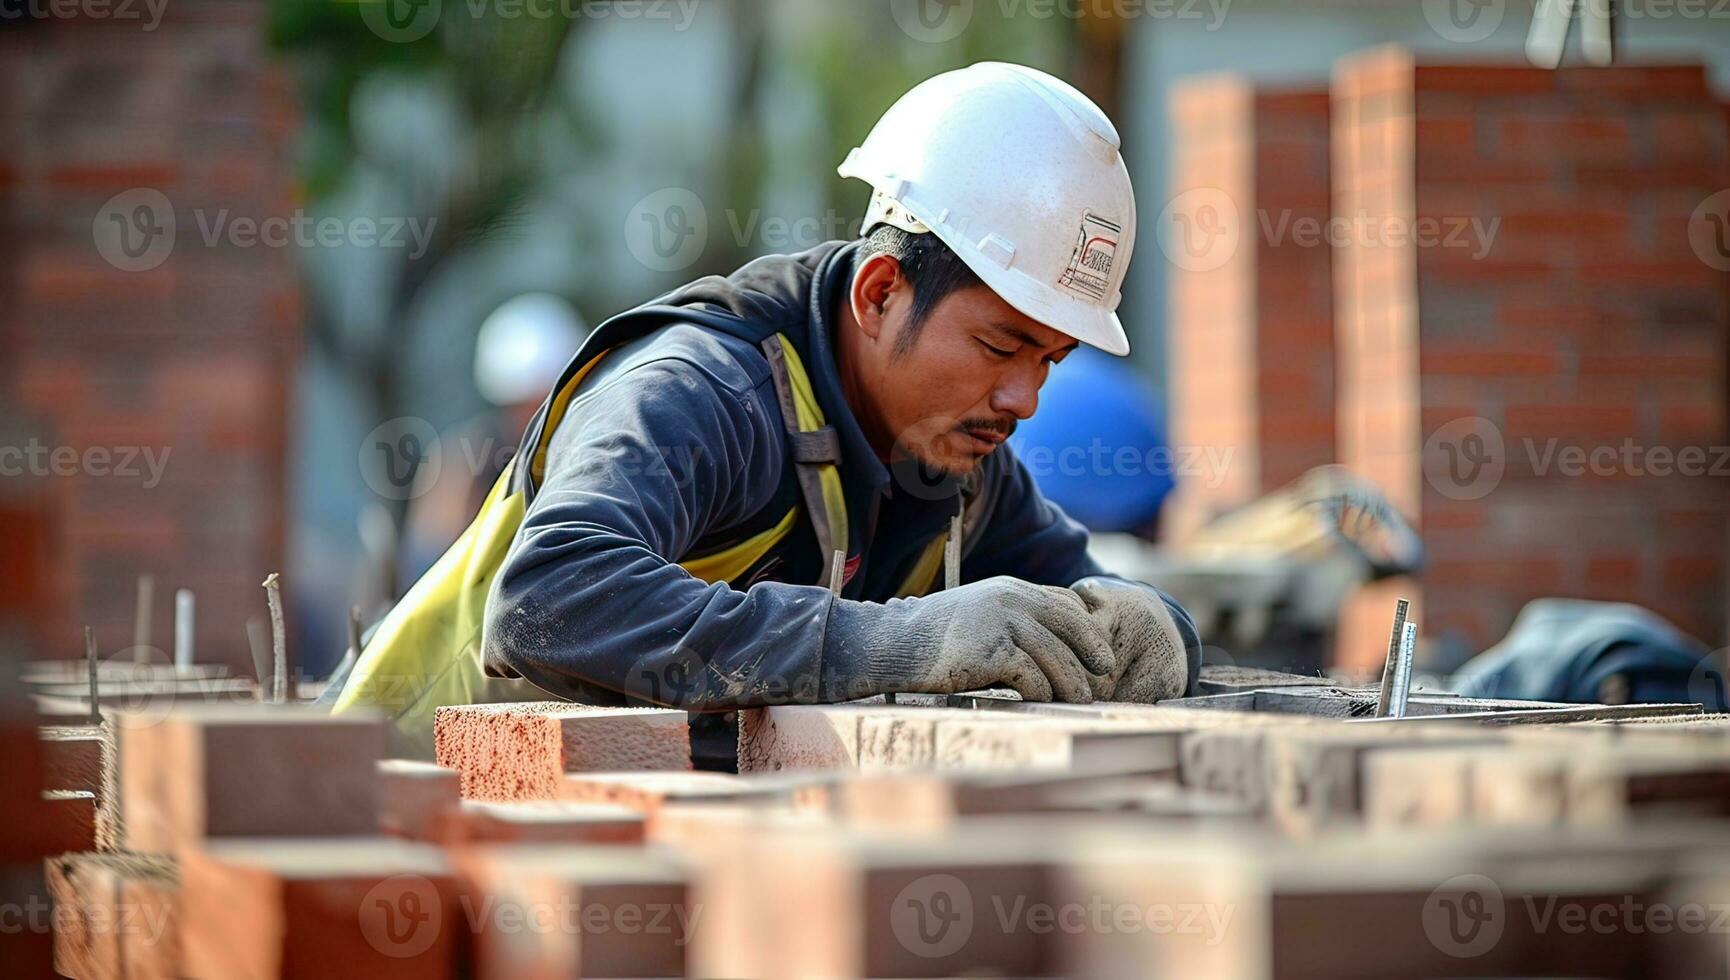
x: 1097, y: 447
x: 521, y: 349
x: 756, y: 489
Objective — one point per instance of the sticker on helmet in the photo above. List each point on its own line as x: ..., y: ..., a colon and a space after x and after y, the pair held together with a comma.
x: 1089, y: 271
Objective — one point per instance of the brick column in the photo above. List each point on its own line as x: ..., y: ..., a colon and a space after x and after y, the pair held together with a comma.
x: 165, y: 387
x: 1529, y: 365
x: 1251, y: 321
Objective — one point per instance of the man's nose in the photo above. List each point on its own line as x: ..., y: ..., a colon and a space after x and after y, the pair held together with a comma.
x: 1017, y: 393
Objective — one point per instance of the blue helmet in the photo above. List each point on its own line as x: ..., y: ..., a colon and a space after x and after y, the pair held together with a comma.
x: 1097, y: 445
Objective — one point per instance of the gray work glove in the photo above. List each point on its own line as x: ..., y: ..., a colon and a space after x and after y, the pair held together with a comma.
x: 1153, y: 662
x: 1001, y: 632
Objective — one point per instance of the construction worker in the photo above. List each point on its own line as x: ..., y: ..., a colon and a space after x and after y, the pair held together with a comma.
x: 790, y: 484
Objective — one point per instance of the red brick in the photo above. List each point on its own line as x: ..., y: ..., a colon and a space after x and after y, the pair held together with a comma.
x: 116, y: 917
x: 254, y: 771
x: 551, y: 912
x: 543, y: 822
x: 415, y: 797
x: 519, y: 751
x: 311, y: 909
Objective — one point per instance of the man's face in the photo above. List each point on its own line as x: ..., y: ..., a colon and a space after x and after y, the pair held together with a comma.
x: 973, y: 370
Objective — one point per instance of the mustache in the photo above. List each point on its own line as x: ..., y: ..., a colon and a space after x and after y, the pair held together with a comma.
x: 1004, y: 427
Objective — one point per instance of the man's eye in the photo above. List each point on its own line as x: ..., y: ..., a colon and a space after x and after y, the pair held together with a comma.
x: 1000, y: 352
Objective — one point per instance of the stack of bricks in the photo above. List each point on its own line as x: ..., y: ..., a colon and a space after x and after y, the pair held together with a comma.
x: 1251, y: 325
x: 1255, y: 833
x: 147, y: 406
x: 1540, y: 383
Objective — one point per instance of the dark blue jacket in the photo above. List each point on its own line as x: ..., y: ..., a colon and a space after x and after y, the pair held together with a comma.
x: 674, y: 447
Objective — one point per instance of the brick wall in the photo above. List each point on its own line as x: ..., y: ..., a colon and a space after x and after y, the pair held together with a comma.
x: 1251, y: 324
x: 1525, y: 387
x: 188, y: 360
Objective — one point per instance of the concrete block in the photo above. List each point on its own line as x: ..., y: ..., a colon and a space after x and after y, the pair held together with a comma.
x: 519, y: 751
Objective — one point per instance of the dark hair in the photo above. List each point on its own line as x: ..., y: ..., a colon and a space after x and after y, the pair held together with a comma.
x: 930, y: 267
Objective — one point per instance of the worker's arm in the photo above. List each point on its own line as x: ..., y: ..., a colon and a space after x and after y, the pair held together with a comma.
x: 1024, y: 535
x: 591, y: 605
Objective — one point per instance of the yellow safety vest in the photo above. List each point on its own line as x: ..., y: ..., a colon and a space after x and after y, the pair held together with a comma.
x: 427, y: 651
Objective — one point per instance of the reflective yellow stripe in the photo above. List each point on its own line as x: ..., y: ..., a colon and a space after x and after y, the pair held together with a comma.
x: 810, y: 420
x: 924, y: 574
x: 555, y: 415
x: 724, y: 566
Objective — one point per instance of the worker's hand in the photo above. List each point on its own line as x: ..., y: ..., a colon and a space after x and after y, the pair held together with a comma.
x: 1003, y: 632
x: 1152, y: 660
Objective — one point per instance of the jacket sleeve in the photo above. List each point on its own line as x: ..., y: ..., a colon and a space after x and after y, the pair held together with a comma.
x: 1026, y: 536
x: 591, y: 604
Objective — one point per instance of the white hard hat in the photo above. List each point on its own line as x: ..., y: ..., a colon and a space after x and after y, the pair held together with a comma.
x: 1020, y: 175
x: 523, y: 346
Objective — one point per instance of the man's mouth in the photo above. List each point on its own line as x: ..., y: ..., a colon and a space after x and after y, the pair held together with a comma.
x: 983, y: 440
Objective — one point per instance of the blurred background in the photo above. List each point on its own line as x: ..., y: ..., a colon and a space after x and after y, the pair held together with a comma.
x: 282, y: 279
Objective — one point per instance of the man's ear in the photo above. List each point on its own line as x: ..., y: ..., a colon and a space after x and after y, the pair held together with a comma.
x: 873, y: 283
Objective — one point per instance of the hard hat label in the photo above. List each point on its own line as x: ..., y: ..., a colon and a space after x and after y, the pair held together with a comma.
x: 1089, y: 272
